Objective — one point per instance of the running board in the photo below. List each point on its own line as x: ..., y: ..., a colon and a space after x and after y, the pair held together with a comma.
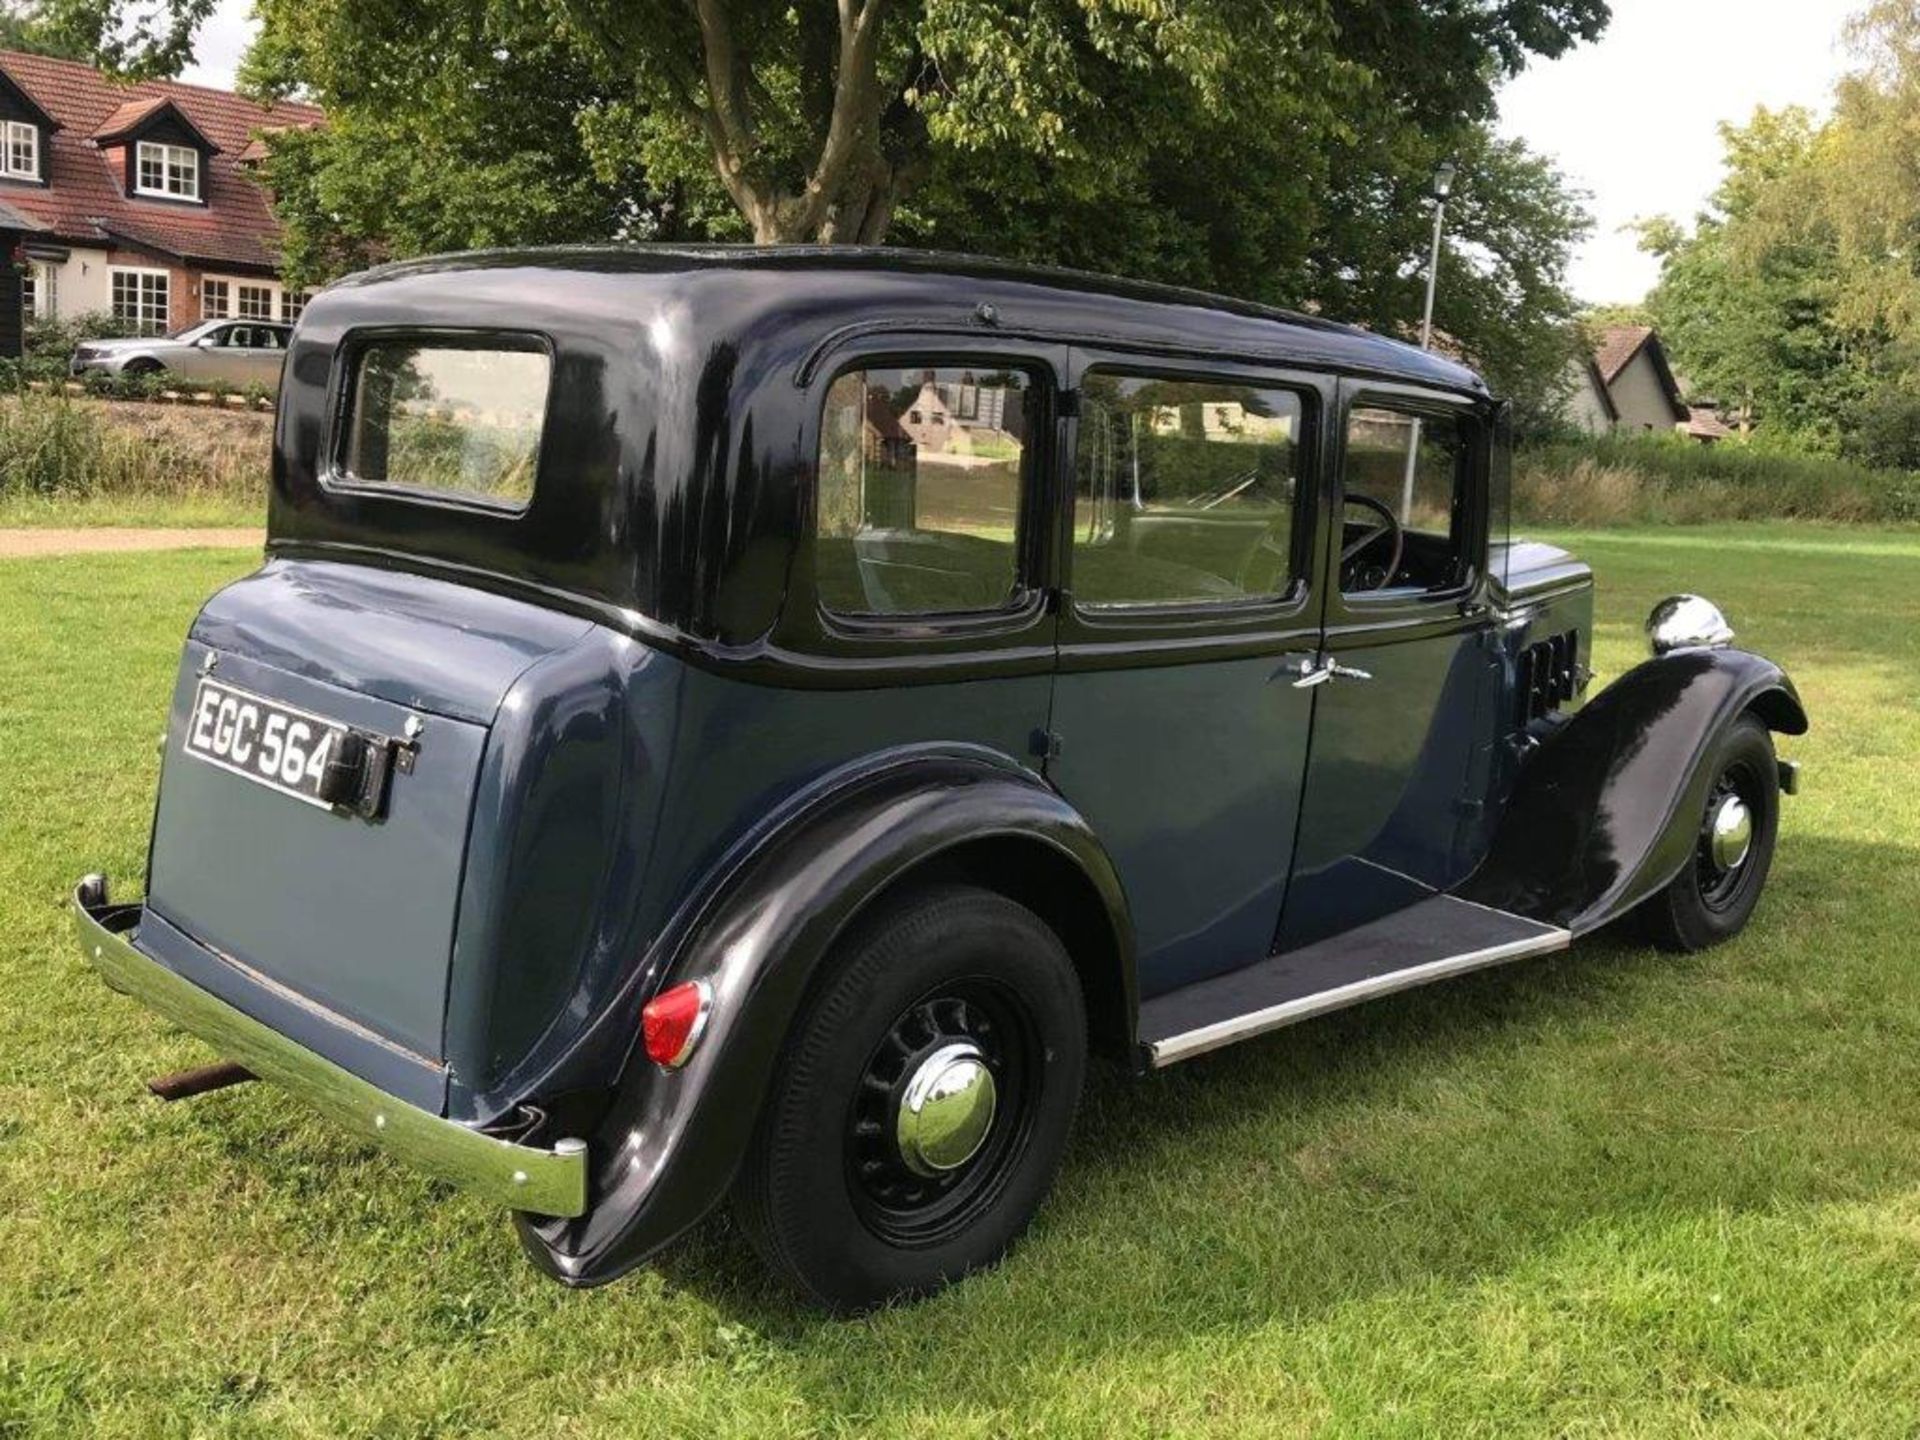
x: 1435, y: 939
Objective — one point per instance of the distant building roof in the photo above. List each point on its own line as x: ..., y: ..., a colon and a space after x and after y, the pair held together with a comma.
x: 85, y: 199
x: 1703, y: 424
x: 1618, y: 346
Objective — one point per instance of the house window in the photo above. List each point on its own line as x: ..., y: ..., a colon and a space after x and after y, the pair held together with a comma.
x: 916, y: 516
x: 293, y: 304
x: 216, y: 300
x: 20, y: 158
x: 256, y: 302
x: 43, y: 282
x: 39, y: 291
x: 171, y: 170
x: 140, y: 298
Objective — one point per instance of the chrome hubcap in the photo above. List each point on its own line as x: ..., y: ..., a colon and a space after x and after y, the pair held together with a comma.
x: 946, y: 1110
x: 1730, y: 833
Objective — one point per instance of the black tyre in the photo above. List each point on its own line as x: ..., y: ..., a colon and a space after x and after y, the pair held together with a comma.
x: 921, y: 1107
x: 142, y: 366
x: 1709, y: 901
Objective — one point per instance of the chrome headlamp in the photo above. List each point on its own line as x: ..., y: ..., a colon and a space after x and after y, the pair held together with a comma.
x: 1687, y: 622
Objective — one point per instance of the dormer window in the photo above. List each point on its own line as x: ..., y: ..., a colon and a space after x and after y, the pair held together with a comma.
x: 172, y: 171
x: 20, y: 151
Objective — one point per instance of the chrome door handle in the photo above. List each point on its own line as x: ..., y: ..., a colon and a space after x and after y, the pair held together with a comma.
x: 1318, y: 672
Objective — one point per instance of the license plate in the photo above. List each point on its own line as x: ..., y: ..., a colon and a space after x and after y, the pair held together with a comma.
x: 270, y: 743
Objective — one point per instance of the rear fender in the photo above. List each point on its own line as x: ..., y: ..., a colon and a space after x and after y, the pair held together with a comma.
x: 1605, y: 812
x: 671, y: 1142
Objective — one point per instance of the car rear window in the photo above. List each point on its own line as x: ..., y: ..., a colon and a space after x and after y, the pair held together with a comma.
x: 448, y: 419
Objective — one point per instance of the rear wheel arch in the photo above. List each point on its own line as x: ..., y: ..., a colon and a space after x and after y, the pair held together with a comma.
x: 763, y: 942
x: 1033, y: 873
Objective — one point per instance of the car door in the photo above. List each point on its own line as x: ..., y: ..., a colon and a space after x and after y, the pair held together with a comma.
x: 209, y: 358
x: 1188, y: 613
x: 260, y: 361
x: 1402, y: 717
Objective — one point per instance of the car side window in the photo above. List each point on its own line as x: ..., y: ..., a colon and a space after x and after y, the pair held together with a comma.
x: 1184, y: 491
x: 921, y: 474
x: 1404, y: 521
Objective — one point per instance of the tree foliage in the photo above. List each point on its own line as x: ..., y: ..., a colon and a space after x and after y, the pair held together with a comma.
x: 1275, y: 149
x: 1796, y: 295
x: 28, y: 25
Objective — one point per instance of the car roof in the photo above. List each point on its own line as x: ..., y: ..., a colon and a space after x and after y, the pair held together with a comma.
x: 1168, y: 310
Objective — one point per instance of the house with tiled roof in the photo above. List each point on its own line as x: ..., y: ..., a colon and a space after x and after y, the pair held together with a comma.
x: 1639, y: 379
x: 135, y: 199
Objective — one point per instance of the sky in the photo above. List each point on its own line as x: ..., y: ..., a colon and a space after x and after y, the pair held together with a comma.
x: 1630, y: 120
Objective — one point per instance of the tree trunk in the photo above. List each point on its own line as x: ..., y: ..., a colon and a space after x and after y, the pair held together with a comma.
x: 850, y: 193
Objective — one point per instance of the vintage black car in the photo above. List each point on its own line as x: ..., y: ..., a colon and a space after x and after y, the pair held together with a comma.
x: 730, y: 722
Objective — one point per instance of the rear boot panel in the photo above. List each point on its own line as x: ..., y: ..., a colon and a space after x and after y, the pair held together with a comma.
x: 319, y: 921
x: 356, y: 915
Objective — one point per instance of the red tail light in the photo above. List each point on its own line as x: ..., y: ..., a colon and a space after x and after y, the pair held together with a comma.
x: 671, y: 1022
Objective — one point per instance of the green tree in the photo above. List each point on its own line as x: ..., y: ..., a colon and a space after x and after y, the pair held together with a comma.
x: 138, y: 38
x: 816, y: 121
x: 1747, y: 299
x: 1274, y: 149
x: 1796, y: 294
x: 26, y: 25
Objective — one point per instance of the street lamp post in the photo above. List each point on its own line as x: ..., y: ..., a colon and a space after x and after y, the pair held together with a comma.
x: 1442, y: 189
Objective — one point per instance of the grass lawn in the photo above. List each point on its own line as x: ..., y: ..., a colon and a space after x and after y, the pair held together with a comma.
x: 145, y: 512
x: 1609, y: 1193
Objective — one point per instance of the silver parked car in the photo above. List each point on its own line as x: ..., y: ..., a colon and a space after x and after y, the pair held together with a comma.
x: 233, y: 352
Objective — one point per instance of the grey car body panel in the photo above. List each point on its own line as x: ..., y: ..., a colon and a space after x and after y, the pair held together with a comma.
x: 352, y: 1046
x: 427, y: 644
x: 743, y: 755
x: 1191, y: 776
x: 568, y: 803
x: 357, y: 919
x: 356, y: 915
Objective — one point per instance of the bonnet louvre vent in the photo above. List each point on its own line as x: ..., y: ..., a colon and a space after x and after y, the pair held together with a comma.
x: 1547, y: 676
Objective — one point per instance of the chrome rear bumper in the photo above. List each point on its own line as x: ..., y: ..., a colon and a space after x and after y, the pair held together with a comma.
x: 520, y: 1177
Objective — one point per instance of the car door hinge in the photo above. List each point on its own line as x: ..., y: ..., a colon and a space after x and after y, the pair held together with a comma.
x: 1045, y: 744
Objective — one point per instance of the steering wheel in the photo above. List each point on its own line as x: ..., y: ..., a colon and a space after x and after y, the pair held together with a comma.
x: 1388, y: 525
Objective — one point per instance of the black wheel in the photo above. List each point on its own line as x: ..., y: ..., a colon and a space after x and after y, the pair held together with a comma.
x: 1710, y: 900
x: 922, y: 1104
x: 142, y: 367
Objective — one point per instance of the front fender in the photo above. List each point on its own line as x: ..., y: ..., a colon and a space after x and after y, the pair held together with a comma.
x: 671, y: 1142
x: 1603, y: 814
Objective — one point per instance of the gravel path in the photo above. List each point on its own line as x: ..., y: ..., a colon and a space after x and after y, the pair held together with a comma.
x: 15, y: 544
